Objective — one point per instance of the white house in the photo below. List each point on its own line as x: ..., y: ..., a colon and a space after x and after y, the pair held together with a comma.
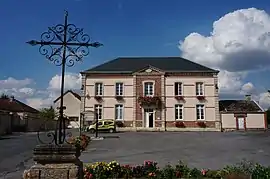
x: 72, y: 103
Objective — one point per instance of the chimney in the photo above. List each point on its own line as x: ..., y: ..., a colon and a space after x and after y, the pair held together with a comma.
x: 248, y: 97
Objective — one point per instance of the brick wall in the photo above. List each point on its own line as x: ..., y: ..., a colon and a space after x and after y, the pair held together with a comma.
x: 140, y: 79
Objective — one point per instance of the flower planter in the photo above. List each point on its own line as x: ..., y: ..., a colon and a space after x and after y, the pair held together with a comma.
x: 201, y: 124
x: 179, y: 98
x: 149, y: 100
x: 119, y: 98
x: 98, y: 98
x: 119, y: 123
x: 201, y: 98
x: 80, y: 142
x: 180, y: 124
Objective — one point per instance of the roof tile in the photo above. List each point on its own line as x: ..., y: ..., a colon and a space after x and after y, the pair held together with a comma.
x: 133, y: 64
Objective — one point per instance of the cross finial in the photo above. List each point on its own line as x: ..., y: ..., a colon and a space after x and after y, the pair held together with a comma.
x: 66, y: 13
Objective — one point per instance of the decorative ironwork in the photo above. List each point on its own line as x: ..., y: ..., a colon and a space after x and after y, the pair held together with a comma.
x: 63, y: 45
x: 50, y: 137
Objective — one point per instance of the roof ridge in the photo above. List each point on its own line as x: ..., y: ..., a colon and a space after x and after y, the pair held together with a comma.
x: 72, y: 92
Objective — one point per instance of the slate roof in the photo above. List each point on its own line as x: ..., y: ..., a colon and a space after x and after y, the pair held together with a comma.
x: 69, y: 91
x: 15, y: 105
x: 239, y: 106
x: 133, y: 64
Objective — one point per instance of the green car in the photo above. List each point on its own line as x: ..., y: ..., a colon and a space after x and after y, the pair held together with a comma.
x: 103, y: 125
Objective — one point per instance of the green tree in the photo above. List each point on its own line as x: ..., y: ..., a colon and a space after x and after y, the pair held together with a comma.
x: 48, y: 113
x: 4, y: 96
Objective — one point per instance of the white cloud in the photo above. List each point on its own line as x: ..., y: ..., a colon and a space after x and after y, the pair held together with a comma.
x: 238, y: 45
x: 22, y: 89
x: 13, y: 83
x: 72, y: 81
x: 240, y: 41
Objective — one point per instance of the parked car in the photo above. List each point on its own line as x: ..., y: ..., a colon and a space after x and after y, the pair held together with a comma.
x: 103, y: 125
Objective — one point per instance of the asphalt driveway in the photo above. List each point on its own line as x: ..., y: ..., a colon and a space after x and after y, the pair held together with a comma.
x: 198, y: 149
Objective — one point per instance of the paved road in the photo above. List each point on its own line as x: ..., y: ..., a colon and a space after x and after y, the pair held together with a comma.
x: 198, y: 149
x: 16, y: 152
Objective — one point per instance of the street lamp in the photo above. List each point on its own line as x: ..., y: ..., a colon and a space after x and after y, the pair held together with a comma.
x: 64, y: 45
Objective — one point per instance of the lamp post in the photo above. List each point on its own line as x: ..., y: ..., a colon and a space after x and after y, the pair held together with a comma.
x: 64, y: 44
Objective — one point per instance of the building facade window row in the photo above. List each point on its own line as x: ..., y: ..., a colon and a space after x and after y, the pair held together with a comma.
x: 148, y: 89
x: 119, y: 89
x: 118, y: 112
x: 179, y: 112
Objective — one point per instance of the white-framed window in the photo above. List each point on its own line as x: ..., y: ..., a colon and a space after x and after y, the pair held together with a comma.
x: 98, y: 89
x: 178, y: 89
x: 119, y: 87
x: 98, y: 111
x: 200, y: 112
x: 148, y: 89
x: 179, y: 112
x: 119, y: 111
x: 199, y: 89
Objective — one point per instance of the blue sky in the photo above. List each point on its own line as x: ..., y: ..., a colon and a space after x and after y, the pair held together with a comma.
x: 125, y: 27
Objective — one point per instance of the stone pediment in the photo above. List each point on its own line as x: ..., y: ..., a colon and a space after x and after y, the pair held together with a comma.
x: 149, y: 70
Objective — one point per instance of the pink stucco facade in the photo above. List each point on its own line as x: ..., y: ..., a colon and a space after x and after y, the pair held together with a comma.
x: 139, y: 115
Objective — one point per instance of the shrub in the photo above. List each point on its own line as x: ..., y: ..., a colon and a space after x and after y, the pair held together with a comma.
x: 80, y: 142
x: 119, y: 123
x: 103, y: 170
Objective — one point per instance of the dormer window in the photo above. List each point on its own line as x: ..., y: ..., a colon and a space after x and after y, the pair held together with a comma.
x: 199, y: 89
x: 148, y: 89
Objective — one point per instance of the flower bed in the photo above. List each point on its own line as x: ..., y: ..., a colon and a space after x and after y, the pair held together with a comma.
x: 180, y: 124
x: 81, y: 142
x: 201, y: 124
x: 113, y: 170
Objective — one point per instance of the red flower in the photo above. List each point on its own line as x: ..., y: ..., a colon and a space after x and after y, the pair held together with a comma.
x: 179, y: 98
x: 179, y: 124
x: 118, y: 97
x: 149, y: 100
x: 178, y: 174
x: 98, y: 98
x: 203, y: 171
x: 200, y: 97
x: 201, y: 123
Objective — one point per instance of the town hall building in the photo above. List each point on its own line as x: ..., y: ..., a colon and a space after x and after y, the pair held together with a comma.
x: 156, y: 93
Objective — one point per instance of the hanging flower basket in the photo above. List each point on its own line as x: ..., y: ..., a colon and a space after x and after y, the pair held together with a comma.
x: 179, y: 98
x: 201, y: 98
x: 98, y: 98
x: 180, y: 124
x: 148, y: 100
x: 201, y: 124
x: 119, y: 98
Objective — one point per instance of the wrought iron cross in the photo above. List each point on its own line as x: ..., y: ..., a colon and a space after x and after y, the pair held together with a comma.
x: 64, y: 45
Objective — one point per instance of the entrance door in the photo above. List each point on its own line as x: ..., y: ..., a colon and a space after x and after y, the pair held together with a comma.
x: 149, y: 118
x: 241, y: 123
